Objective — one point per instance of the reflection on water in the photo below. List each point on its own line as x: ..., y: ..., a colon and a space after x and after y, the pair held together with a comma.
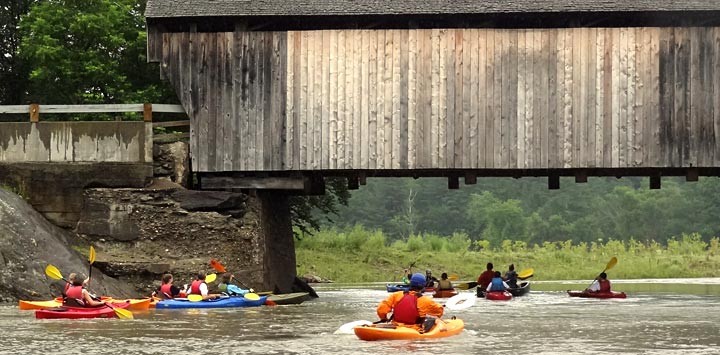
x: 656, y: 318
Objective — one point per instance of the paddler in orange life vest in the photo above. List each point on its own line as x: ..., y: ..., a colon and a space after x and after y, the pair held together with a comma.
x: 410, y: 308
x: 601, y: 284
x: 199, y: 287
x: 77, y: 296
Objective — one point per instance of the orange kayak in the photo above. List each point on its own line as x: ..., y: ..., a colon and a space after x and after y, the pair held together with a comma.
x: 441, y: 329
x: 445, y: 293
x: 136, y: 304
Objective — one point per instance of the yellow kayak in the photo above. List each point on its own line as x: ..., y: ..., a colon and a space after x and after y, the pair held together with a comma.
x: 389, y: 332
x: 136, y: 304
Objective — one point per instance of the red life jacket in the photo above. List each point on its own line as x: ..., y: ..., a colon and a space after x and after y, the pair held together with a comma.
x: 604, y: 285
x: 166, y: 291
x: 74, y: 297
x: 406, y: 310
x: 195, y: 287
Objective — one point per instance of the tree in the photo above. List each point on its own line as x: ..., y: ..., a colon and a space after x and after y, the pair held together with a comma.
x: 13, y: 70
x: 89, y: 51
x: 307, y: 212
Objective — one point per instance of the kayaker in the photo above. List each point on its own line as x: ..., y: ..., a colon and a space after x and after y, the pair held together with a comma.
x: 231, y: 290
x: 444, y: 283
x: 68, y: 284
x: 484, y: 279
x: 199, y: 287
x: 410, y: 308
x: 601, y: 284
x: 497, y: 283
x: 406, y: 277
x: 511, y: 276
x: 167, y: 290
x: 78, y: 296
x: 431, y: 280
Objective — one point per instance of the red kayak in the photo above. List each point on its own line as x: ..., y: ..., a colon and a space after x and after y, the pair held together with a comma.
x: 583, y: 294
x: 498, y: 295
x: 66, y: 312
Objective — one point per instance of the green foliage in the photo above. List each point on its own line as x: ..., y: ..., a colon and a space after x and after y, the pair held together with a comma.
x: 497, y: 209
x: 89, y: 51
x: 361, y: 255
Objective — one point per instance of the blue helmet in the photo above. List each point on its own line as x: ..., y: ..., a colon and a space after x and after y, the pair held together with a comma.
x: 417, y: 281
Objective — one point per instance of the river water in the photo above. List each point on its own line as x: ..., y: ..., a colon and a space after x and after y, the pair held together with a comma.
x: 658, y: 317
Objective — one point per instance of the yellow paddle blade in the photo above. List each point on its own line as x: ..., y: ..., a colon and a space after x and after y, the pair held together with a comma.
x: 210, y: 278
x: 251, y: 296
x: 122, y: 313
x: 91, y: 257
x: 53, y: 272
x: 453, y: 277
x: 611, y: 263
x: 195, y: 298
x: 525, y: 273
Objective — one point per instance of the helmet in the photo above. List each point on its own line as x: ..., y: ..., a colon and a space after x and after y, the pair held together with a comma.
x: 417, y: 280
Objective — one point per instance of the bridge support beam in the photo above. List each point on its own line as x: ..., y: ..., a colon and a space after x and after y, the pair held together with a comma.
x: 279, y: 269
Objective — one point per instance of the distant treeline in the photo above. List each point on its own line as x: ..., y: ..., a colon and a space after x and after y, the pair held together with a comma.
x: 498, y: 209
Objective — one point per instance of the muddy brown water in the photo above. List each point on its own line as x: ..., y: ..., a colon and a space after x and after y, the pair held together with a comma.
x: 658, y: 317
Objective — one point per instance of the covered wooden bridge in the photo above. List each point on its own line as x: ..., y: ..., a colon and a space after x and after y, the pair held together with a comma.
x: 283, y: 93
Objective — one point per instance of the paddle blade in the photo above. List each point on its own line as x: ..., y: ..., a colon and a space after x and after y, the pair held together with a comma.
x: 210, y: 278
x: 195, y: 298
x: 453, y: 277
x: 53, y: 272
x: 217, y: 266
x: 461, y: 301
x: 611, y: 263
x: 347, y: 328
x: 527, y: 273
x: 466, y: 285
x: 122, y: 313
x: 91, y: 257
x: 251, y: 296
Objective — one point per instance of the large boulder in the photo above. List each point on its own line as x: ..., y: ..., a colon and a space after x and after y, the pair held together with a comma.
x: 28, y: 243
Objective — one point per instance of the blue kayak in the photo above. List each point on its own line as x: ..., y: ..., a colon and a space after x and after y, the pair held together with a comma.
x: 404, y: 287
x: 226, y: 302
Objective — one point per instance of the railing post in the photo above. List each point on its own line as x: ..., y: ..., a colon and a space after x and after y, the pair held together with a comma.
x: 147, y: 112
x: 34, y: 113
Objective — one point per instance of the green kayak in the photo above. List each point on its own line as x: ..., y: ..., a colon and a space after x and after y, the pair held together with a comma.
x: 288, y: 298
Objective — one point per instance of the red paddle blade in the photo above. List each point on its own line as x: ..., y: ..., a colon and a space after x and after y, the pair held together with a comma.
x: 217, y: 266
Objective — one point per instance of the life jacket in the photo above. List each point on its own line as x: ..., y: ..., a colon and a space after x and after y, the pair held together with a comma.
x: 74, y: 296
x: 166, y: 291
x: 223, y: 287
x: 604, y: 285
x: 406, y: 310
x: 195, y: 287
x: 497, y: 284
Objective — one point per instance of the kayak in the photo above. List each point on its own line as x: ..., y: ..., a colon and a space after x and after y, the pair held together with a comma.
x: 135, y: 304
x: 392, y: 332
x: 583, y: 294
x: 445, y: 293
x: 225, y: 302
x: 404, y: 287
x: 498, y: 295
x: 288, y: 298
x: 522, y: 290
x: 65, y: 312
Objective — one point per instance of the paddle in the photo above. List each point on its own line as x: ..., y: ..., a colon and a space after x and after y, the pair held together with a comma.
x: 609, y: 266
x: 453, y: 277
x: 525, y: 274
x: 55, y: 274
x: 91, y: 259
x: 454, y: 303
x: 219, y: 267
x: 466, y: 285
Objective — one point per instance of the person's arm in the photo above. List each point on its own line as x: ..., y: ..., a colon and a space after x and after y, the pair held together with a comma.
x: 488, y: 287
x: 387, y: 305
x: 428, y: 307
x: 594, y: 287
x: 506, y: 285
x: 89, y: 301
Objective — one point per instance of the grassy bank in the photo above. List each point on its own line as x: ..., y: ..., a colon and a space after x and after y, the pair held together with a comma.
x: 360, y: 255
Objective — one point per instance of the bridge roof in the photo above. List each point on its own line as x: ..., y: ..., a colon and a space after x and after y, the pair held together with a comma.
x: 250, y: 8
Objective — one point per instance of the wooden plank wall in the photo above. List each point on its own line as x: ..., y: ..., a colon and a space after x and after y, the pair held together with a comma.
x: 450, y: 98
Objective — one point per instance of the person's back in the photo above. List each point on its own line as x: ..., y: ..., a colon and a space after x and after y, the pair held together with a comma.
x: 601, y: 284
x: 511, y: 276
x: 444, y: 283
x: 408, y: 305
x: 497, y: 283
x: 486, y: 277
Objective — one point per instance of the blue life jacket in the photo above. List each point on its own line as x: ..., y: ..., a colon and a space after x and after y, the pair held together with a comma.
x: 497, y: 284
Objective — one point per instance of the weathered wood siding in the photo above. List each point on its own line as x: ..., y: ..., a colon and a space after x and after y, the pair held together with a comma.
x: 449, y: 98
